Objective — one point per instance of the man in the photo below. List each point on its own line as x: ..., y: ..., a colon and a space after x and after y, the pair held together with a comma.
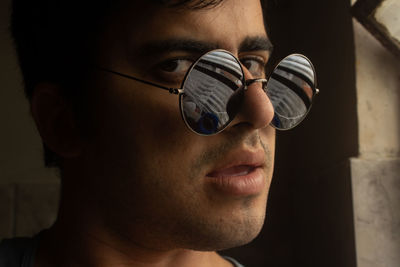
x: 140, y: 185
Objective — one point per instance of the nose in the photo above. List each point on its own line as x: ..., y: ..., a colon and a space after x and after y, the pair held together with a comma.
x: 256, y: 108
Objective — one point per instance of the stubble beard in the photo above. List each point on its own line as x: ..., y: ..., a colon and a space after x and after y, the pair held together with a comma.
x: 207, y: 233
x: 191, y: 225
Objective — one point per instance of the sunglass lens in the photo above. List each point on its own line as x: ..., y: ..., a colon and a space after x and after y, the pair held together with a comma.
x: 291, y: 89
x: 208, y: 103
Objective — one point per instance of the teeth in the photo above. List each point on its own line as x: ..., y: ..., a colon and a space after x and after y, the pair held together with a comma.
x: 233, y: 171
x: 242, y: 173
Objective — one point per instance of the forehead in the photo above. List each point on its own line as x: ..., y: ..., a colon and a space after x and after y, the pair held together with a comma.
x: 226, y: 25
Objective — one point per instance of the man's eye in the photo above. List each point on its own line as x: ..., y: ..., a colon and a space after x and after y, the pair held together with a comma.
x: 255, y: 65
x: 176, y: 65
x: 173, y: 71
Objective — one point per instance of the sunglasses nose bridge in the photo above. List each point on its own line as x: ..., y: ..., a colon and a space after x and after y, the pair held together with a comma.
x: 252, y: 81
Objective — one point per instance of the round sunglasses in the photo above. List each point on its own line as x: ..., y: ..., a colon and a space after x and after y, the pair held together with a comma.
x: 213, y: 89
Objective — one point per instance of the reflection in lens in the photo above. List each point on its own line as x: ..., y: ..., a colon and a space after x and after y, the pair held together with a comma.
x: 207, y: 89
x: 291, y: 89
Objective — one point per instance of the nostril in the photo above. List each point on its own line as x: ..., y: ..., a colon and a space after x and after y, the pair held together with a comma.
x: 250, y: 105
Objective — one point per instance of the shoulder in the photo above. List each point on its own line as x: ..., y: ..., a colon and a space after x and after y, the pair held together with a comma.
x: 13, y: 252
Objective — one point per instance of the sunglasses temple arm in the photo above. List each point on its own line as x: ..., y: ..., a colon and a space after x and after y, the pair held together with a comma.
x: 171, y: 90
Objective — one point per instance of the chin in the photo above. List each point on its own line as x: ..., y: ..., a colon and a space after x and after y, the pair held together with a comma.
x: 240, y: 237
x: 225, y: 234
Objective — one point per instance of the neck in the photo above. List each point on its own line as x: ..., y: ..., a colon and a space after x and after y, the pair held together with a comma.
x: 90, y: 245
x: 82, y: 237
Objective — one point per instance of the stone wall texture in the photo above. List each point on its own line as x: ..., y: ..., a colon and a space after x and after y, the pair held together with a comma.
x: 375, y: 174
x: 376, y: 200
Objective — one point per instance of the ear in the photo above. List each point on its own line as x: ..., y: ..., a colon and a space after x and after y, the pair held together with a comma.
x: 55, y: 121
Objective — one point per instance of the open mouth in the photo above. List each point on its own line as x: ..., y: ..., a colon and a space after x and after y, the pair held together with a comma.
x: 240, y: 170
x: 239, y: 174
x: 239, y: 180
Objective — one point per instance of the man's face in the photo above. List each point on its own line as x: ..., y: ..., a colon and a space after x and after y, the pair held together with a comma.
x: 157, y: 182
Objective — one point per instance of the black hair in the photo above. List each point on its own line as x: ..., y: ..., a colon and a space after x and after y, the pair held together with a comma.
x: 54, y: 40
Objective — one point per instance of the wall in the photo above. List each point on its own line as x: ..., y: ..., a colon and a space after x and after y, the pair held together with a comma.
x: 376, y: 171
x: 28, y: 191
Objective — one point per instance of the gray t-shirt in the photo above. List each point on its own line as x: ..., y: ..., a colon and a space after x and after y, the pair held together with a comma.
x: 20, y: 252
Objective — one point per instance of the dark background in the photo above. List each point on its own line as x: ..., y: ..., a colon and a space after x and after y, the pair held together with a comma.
x: 309, y: 216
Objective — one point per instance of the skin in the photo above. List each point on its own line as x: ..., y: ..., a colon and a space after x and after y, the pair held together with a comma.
x: 136, y: 192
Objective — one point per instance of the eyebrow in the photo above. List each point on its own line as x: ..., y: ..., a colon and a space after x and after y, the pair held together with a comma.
x: 171, y: 45
x: 257, y: 43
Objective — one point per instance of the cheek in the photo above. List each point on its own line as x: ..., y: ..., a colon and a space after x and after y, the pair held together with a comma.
x: 160, y: 132
x: 141, y: 126
x: 268, y: 136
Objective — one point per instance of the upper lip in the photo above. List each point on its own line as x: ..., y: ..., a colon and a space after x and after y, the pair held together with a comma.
x: 239, y: 158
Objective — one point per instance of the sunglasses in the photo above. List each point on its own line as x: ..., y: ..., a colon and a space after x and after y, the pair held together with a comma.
x: 213, y: 89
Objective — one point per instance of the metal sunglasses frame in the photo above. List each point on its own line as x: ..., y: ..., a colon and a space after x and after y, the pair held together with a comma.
x: 181, y: 91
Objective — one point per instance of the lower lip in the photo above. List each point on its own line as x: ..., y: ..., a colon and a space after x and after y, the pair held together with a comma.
x: 250, y: 184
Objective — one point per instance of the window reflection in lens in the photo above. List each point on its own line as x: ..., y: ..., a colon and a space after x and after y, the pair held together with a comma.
x: 207, y: 90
